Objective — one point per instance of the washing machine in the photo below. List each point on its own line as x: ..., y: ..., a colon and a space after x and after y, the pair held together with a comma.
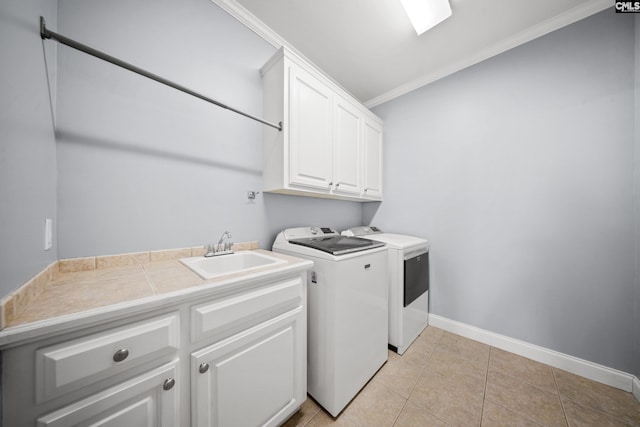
x: 347, y: 324
x: 408, y: 283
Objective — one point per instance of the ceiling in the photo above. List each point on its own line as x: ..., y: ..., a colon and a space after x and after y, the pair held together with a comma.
x: 370, y: 48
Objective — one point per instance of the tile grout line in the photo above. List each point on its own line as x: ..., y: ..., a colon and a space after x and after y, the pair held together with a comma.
x: 502, y: 406
x: 313, y: 416
x: 418, y: 378
x: 531, y: 384
x: 516, y: 413
x: 401, y: 409
x: 508, y: 374
x: 599, y: 411
x: 423, y: 369
x: 486, y: 382
x: 435, y: 347
x: 394, y: 392
x: 374, y: 380
x: 615, y: 416
x: 149, y: 281
x: 555, y: 381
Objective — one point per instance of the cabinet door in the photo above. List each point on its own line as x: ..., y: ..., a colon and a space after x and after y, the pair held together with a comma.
x: 372, y: 160
x: 150, y: 399
x: 346, y: 148
x: 310, y: 137
x: 257, y: 377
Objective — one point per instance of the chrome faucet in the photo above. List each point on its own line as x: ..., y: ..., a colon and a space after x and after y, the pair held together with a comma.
x: 227, y: 246
x: 221, y: 248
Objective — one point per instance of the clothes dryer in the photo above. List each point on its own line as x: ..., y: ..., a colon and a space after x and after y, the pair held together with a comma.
x: 408, y: 259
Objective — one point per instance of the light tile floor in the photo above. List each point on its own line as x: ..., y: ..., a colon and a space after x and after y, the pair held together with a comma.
x: 447, y: 380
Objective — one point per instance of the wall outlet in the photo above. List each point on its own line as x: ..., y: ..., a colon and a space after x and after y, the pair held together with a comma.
x: 48, y: 234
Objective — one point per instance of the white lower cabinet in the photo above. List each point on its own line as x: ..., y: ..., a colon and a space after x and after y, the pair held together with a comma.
x: 150, y: 399
x: 237, y: 354
x: 254, y: 378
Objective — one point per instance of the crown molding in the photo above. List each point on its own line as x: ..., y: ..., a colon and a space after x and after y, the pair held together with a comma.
x: 569, y: 17
x: 575, y: 14
x: 250, y: 21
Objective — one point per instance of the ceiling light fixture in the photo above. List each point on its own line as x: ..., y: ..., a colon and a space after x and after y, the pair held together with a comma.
x: 425, y: 14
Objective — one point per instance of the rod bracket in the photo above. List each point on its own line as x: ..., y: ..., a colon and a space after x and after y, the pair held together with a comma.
x: 44, y: 33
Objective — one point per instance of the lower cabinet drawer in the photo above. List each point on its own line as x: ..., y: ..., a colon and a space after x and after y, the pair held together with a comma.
x: 70, y: 365
x: 209, y: 318
x: 150, y: 399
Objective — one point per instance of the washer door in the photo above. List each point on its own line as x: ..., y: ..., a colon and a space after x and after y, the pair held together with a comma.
x: 416, y: 277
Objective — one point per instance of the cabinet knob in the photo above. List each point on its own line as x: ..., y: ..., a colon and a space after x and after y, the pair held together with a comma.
x: 366, y: 189
x: 120, y: 355
x: 330, y: 184
x: 168, y: 384
x: 204, y: 367
x: 337, y: 185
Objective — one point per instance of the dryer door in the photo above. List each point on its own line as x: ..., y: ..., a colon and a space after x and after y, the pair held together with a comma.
x: 416, y: 276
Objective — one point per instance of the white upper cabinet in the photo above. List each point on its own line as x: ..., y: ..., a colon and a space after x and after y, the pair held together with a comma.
x: 372, y: 160
x: 347, y: 139
x: 311, y: 157
x: 322, y: 148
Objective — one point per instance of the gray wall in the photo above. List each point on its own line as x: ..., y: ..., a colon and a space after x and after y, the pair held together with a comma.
x: 142, y: 166
x: 520, y: 173
x: 27, y: 146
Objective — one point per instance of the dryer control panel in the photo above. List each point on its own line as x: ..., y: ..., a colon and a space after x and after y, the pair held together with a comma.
x: 364, y: 230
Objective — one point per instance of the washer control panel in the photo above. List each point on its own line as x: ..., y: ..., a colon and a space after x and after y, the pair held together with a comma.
x: 304, y: 232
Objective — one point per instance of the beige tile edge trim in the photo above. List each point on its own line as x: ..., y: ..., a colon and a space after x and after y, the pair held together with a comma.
x: 134, y: 258
x: 14, y: 303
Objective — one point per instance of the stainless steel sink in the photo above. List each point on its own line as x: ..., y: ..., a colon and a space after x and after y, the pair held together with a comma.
x: 239, y: 262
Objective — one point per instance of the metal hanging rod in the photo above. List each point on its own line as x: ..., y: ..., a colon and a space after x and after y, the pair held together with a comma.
x: 45, y: 33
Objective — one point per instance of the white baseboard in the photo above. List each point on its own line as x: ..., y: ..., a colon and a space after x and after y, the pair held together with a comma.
x: 584, y: 368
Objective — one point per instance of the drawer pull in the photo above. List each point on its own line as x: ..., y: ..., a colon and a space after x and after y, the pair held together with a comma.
x: 168, y: 384
x: 120, y: 355
x: 204, y: 367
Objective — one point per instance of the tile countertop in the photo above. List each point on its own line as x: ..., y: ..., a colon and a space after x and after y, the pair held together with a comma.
x: 82, y: 292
